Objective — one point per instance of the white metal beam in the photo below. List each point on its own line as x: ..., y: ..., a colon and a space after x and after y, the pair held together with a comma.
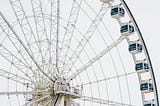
x: 102, y: 101
x: 84, y: 41
x: 5, y: 24
x: 21, y: 93
x: 75, y: 103
x: 100, y: 55
x: 71, y: 24
x: 13, y: 76
x: 40, y: 99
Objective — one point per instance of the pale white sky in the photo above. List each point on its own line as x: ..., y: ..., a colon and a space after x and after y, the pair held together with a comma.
x: 147, y: 16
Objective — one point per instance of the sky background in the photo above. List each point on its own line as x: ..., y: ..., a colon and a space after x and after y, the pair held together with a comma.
x: 147, y: 16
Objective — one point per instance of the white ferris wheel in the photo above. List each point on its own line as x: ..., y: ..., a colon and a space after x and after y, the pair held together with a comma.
x: 73, y: 53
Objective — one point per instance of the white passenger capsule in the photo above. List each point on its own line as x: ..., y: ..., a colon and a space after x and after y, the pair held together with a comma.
x: 127, y: 29
x: 141, y: 66
x: 117, y: 11
x: 146, y: 86
x: 135, y: 47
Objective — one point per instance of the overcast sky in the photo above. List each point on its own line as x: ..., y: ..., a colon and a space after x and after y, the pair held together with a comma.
x: 147, y: 15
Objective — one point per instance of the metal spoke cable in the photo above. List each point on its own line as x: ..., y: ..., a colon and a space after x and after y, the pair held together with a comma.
x: 102, y: 101
x: 100, y: 55
x: 23, y: 22
x: 2, y: 75
x: 107, y: 79
x: 57, y: 34
x: 9, y: 36
x: 88, y: 34
x: 14, y: 76
x: 37, y: 17
x: 33, y: 102
x: 52, y: 32
x: 24, y: 47
x: 106, y: 45
x: 87, y: 74
x: 125, y: 71
x: 70, y: 27
x: 22, y: 93
x: 75, y: 103
x: 116, y: 70
x: 16, y: 66
x: 6, y: 52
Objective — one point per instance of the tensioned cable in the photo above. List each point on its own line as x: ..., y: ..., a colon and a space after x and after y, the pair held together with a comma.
x: 116, y: 48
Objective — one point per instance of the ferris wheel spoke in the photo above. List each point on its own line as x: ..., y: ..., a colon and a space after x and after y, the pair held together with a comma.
x: 13, y: 76
x: 71, y: 24
x: 100, y: 55
x: 17, y: 66
x: 21, y: 93
x: 48, y: 102
x: 8, y: 55
x: 110, y: 35
x: 107, y: 79
x: 23, y: 22
x: 38, y: 100
x: 5, y: 24
x: 53, y: 27
x: 57, y: 35
x: 84, y: 41
x: 75, y: 103
x: 102, y: 101
x: 13, y: 79
x: 40, y: 25
x: 18, y: 60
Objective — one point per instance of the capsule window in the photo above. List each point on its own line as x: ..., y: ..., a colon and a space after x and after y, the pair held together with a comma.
x: 121, y: 11
x: 132, y: 47
x: 146, y: 86
x: 149, y: 104
x: 117, y: 12
x: 131, y: 28
x: 135, y: 47
x: 127, y: 29
x: 146, y: 66
x: 114, y: 11
x: 139, y: 47
x: 139, y: 66
x: 124, y: 28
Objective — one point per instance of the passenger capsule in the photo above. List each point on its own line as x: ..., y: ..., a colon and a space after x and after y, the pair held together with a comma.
x: 146, y: 87
x: 135, y: 47
x: 127, y: 29
x: 141, y: 67
x: 117, y: 12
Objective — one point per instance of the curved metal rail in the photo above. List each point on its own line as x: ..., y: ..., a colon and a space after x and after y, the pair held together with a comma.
x: 145, y: 50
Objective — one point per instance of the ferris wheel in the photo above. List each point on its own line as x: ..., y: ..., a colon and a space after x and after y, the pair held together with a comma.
x: 73, y: 53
